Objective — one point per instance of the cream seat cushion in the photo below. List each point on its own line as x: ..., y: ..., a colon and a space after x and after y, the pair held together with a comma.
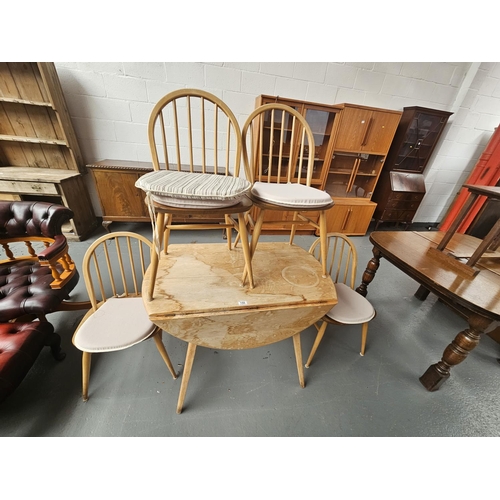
x: 290, y: 195
x: 352, y: 308
x: 192, y: 189
x: 119, y: 323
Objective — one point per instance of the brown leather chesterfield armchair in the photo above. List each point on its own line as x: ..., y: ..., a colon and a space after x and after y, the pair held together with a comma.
x: 36, y: 277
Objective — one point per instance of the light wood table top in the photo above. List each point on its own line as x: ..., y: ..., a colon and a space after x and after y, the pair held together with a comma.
x: 199, y: 297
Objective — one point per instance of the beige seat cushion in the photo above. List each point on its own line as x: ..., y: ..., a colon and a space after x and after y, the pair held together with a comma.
x: 352, y: 308
x: 119, y: 323
x: 174, y: 187
x: 290, y: 195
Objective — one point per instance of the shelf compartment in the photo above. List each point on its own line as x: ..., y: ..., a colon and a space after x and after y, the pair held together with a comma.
x: 32, y: 140
x: 26, y: 101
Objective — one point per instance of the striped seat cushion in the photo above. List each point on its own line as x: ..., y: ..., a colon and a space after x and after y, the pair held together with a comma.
x: 189, y: 189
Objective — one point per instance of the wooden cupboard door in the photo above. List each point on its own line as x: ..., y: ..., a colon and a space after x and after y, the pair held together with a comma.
x: 381, y: 129
x: 118, y: 195
x: 350, y: 219
x: 365, y: 130
x: 353, y: 127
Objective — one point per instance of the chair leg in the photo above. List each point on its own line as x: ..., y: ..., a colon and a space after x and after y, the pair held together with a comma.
x: 319, y: 336
x: 155, y: 255
x: 294, y: 228
x: 54, y: 342
x: 246, y: 251
x: 229, y: 232
x: 161, y: 349
x: 255, y: 238
x: 166, y: 232
x: 86, y: 359
x: 188, y: 365
x: 256, y: 232
x: 298, y: 359
x: 324, y: 241
x: 238, y: 233
x: 364, y: 333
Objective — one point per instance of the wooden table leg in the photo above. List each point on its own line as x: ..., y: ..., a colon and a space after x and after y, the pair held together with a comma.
x: 370, y: 271
x: 188, y: 365
x: 421, y: 293
x: 298, y: 358
x: 455, y: 353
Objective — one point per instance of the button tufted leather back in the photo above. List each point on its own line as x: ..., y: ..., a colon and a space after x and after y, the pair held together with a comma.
x: 32, y: 218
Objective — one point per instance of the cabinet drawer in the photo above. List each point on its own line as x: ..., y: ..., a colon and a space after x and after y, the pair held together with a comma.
x: 398, y: 215
x: 403, y: 204
x: 26, y: 187
x: 406, y: 196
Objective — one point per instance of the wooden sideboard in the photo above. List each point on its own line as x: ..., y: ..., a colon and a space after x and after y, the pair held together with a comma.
x: 120, y: 200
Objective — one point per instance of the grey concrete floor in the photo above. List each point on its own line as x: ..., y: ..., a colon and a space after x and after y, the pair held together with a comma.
x: 256, y: 392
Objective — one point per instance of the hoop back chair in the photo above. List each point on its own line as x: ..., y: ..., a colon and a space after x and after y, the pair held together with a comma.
x: 195, y: 144
x: 352, y: 308
x: 113, y: 272
x: 281, y: 163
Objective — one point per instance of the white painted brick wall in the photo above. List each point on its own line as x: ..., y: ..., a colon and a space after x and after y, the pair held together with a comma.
x: 110, y: 103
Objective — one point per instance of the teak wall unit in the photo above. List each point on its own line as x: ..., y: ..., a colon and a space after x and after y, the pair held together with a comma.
x: 351, y: 144
x: 364, y: 138
x: 401, y: 187
x: 39, y: 154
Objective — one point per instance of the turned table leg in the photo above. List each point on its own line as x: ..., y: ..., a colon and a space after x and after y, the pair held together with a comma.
x: 455, y: 353
x: 369, y: 273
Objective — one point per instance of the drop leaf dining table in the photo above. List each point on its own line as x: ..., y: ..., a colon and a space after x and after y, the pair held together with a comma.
x: 199, y: 298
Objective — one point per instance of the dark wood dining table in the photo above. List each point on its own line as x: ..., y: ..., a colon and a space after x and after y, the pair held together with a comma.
x: 474, y: 293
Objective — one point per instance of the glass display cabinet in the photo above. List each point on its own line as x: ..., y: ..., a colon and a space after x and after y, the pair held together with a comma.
x: 414, y: 142
x: 323, y: 120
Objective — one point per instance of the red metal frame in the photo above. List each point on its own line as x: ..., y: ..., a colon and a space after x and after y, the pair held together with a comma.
x: 485, y: 173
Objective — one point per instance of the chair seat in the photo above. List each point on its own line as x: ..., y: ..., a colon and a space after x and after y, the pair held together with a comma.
x: 119, y: 323
x: 193, y: 185
x: 187, y: 203
x: 20, y: 345
x: 352, y: 308
x: 290, y: 195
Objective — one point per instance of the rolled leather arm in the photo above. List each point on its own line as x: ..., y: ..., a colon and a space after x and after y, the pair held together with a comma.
x: 54, y: 249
